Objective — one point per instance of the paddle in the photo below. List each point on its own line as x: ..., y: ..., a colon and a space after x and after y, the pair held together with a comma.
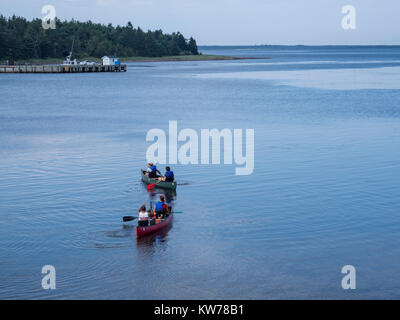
x: 128, y: 218
x: 152, y: 185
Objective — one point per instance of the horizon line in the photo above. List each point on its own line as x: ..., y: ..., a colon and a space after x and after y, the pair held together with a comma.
x: 298, y: 45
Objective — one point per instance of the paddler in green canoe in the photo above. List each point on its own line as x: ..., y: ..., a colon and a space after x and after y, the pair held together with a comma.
x: 168, y: 176
x: 152, y: 171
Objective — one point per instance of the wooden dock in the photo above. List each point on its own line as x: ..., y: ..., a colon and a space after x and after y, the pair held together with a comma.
x: 59, y: 68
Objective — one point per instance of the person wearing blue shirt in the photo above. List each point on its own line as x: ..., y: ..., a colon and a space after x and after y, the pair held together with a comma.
x: 160, y: 208
x: 169, y: 175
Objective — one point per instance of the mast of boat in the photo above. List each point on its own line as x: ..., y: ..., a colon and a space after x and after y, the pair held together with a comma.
x: 69, y: 57
x: 72, y: 48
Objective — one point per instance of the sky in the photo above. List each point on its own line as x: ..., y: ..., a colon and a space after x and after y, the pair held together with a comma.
x: 236, y: 22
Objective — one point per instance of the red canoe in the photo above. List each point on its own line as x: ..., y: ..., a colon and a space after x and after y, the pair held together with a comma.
x: 144, y: 231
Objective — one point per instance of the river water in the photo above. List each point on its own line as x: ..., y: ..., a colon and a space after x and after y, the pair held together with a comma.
x: 324, y: 192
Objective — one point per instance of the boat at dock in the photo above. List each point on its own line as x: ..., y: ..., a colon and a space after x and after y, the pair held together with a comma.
x: 69, y: 65
x: 60, y: 68
x: 159, y: 184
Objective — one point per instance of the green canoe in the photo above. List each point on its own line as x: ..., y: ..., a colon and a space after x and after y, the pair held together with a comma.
x: 161, y: 184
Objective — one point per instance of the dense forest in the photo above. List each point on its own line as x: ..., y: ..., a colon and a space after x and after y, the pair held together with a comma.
x: 23, y: 39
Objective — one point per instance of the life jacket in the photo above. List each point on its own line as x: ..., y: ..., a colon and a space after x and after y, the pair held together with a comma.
x: 169, y: 175
x: 153, y: 168
x: 159, y: 206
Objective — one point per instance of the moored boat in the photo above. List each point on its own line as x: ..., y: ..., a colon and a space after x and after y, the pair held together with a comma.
x: 159, y: 184
x: 150, y: 229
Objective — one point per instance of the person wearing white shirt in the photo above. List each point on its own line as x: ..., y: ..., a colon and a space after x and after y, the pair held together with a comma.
x: 143, y: 216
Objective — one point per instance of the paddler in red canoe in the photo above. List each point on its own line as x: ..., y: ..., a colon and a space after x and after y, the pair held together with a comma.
x: 143, y: 216
x: 160, y: 208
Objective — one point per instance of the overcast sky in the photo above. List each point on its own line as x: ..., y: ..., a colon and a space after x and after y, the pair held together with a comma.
x: 241, y: 22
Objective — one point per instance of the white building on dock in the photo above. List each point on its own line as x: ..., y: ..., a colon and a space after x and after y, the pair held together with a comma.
x: 110, y: 61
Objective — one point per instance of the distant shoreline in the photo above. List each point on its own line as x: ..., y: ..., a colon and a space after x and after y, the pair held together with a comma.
x: 200, y: 57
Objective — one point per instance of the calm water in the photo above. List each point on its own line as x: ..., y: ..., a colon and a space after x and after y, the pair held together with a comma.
x: 324, y: 192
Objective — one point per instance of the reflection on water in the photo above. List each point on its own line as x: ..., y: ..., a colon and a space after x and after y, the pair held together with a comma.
x: 155, y: 238
x: 339, y: 79
x: 324, y: 192
x: 183, y: 183
x: 153, y: 194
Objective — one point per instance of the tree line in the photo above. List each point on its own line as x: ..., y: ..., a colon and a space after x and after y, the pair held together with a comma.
x: 23, y: 39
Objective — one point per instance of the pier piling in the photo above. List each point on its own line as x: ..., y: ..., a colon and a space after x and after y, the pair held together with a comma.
x: 59, y: 68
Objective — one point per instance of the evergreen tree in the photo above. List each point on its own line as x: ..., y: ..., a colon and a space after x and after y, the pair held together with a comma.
x: 23, y: 39
x: 193, y: 46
